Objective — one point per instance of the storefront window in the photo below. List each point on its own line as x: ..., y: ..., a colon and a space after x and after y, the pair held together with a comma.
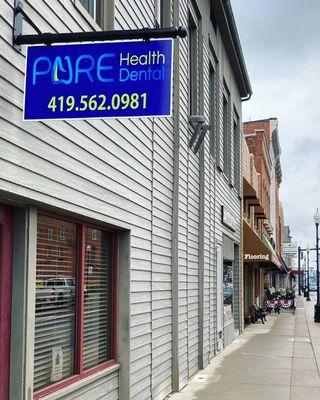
x: 98, y: 289
x: 228, y: 291
x: 55, y: 303
x: 75, y: 277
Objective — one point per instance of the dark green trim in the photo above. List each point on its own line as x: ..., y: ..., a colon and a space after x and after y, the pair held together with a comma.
x: 175, y: 212
x: 124, y: 314
x: 202, y: 174
x: 230, y: 37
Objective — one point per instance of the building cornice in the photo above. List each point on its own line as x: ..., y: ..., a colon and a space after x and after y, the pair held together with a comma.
x: 230, y: 37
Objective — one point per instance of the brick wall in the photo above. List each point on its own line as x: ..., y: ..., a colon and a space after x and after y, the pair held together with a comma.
x: 255, y: 144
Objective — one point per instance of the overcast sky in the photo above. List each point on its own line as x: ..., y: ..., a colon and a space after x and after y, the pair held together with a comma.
x: 281, y: 44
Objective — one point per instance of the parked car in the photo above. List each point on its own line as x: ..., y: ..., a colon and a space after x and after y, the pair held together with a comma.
x: 57, y: 290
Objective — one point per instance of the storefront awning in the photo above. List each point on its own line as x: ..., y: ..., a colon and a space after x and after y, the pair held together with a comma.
x: 257, y: 251
x: 284, y: 269
x: 249, y: 191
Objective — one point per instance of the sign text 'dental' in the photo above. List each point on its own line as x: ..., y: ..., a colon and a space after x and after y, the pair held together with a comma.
x: 100, y: 80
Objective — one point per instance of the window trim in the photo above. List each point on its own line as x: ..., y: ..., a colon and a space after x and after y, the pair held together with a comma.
x: 162, y: 13
x: 80, y: 374
x: 79, y: 6
x: 236, y: 150
x: 107, y: 15
x: 226, y: 130
x: 193, y: 64
x: 213, y: 100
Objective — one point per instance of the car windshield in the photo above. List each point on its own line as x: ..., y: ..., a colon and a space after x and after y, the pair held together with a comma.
x: 55, y: 282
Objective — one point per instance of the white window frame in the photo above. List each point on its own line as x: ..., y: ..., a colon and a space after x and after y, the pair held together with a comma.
x: 162, y: 12
x: 107, y: 15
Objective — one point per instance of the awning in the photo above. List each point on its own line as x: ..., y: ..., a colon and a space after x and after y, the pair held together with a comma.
x: 256, y: 251
x: 294, y: 272
x: 267, y: 242
x: 284, y: 269
x: 248, y: 190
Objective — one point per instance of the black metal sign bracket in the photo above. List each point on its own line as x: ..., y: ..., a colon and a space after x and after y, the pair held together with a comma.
x: 200, y: 131
x: 18, y: 15
x: 72, y: 37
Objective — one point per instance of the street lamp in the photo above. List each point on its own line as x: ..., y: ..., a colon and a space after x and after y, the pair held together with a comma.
x: 299, y: 270
x: 316, y: 220
x: 304, y: 275
x: 308, y: 266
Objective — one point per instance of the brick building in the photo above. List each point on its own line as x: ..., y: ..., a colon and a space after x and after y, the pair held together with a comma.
x: 264, y: 209
x: 262, y: 138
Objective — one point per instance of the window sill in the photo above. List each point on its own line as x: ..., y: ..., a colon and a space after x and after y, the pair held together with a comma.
x: 80, y: 384
x: 86, y: 15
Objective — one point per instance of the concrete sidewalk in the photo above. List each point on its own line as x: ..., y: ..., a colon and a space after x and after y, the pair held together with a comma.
x: 276, y: 361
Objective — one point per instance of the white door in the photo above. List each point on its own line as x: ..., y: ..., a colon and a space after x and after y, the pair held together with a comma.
x: 219, y: 288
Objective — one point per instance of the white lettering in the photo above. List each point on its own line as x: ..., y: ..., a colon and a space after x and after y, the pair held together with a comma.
x: 264, y: 257
x: 151, y: 58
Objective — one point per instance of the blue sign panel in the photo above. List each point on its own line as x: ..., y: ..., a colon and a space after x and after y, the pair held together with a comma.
x: 99, y: 80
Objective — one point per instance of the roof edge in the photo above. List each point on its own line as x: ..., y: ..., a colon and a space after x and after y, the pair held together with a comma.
x: 231, y: 39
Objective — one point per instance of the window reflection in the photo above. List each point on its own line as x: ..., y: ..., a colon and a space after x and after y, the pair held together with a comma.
x: 55, y: 301
x: 228, y: 290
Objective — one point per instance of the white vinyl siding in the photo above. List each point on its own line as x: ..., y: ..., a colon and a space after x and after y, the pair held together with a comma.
x: 236, y: 152
x: 162, y: 259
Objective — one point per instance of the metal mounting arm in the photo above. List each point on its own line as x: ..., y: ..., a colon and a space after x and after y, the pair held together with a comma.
x: 145, y: 34
x: 18, y: 10
x: 50, y: 38
x: 18, y: 15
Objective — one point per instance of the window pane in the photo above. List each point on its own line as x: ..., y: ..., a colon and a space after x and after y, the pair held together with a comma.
x: 236, y: 152
x: 89, y: 6
x: 55, y: 301
x: 228, y: 291
x: 212, y: 99
x: 226, y: 137
x: 97, y: 340
x: 96, y: 9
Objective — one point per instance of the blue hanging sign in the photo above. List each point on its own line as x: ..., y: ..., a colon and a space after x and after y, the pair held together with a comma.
x: 99, y: 80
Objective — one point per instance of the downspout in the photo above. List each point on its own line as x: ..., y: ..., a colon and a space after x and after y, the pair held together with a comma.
x: 243, y: 99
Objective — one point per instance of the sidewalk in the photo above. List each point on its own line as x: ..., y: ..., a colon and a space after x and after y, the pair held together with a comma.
x: 276, y: 361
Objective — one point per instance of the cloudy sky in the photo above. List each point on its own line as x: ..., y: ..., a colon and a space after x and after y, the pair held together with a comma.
x: 281, y: 45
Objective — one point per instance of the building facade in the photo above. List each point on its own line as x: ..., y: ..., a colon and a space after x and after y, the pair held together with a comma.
x: 290, y: 250
x: 262, y: 137
x: 121, y: 271
x: 263, y: 215
x: 259, y: 257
